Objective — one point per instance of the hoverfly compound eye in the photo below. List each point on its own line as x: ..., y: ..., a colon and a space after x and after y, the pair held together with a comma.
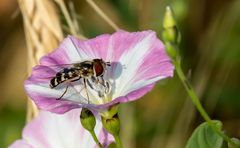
x: 99, y: 69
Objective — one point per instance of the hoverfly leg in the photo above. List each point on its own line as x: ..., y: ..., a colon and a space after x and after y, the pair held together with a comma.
x: 105, y: 84
x: 101, y: 80
x: 85, y: 86
x: 100, y: 94
x: 89, y: 84
x: 63, y: 93
x: 94, y: 79
x: 108, y: 87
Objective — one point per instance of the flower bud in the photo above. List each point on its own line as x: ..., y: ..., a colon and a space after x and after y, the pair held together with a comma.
x: 168, y: 20
x: 112, y: 125
x: 87, y: 119
x: 171, y: 50
x: 170, y: 32
x: 170, y: 35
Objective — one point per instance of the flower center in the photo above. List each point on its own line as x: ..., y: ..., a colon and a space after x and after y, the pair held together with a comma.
x: 97, y: 90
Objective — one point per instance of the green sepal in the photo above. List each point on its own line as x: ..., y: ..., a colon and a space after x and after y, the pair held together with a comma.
x: 171, y: 50
x: 87, y: 119
x: 170, y: 35
x: 109, y: 113
x: 112, y: 125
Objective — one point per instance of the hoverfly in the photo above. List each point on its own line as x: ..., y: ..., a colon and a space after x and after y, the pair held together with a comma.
x: 90, y: 71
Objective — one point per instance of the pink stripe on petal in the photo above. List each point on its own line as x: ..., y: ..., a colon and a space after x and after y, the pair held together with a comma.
x: 155, y: 63
x: 132, y: 59
x: 56, y: 106
x: 163, y: 69
x: 41, y: 74
x: 153, y: 57
x: 53, y: 105
x: 94, y: 48
x: 134, y: 95
x: 47, y: 60
x: 122, y: 41
x: 60, y: 55
x: 66, y: 53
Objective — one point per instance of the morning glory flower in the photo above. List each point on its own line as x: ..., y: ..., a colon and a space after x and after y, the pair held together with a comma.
x: 137, y: 61
x: 50, y: 130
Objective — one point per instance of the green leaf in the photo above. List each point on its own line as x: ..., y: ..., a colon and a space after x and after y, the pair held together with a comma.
x: 204, y: 137
x: 235, y: 140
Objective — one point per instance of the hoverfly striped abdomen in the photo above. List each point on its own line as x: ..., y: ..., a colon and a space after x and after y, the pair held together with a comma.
x: 70, y: 74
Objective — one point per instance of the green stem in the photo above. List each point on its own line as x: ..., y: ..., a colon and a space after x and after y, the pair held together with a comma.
x: 95, y: 139
x: 118, y: 141
x: 197, y: 103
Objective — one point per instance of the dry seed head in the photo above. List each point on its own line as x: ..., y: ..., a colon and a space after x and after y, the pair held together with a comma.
x: 43, y: 33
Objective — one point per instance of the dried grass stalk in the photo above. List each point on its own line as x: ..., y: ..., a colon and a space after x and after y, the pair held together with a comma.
x: 73, y: 26
x: 43, y: 34
x: 102, y: 14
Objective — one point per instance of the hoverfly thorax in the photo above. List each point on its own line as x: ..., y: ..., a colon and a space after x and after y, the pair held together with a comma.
x: 86, y: 69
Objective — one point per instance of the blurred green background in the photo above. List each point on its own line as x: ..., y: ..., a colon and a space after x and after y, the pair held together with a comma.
x: 165, y: 117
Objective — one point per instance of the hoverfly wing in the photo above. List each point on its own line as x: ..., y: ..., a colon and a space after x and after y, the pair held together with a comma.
x: 50, y: 71
x: 58, y: 68
x: 42, y: 72
x: 69, y: 92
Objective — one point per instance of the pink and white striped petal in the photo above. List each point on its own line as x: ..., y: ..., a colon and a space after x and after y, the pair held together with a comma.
x: 138, y: 60
x: 49, y: 130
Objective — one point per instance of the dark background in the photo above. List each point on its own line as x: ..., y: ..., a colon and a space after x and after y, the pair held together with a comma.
x: 210, y: 50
